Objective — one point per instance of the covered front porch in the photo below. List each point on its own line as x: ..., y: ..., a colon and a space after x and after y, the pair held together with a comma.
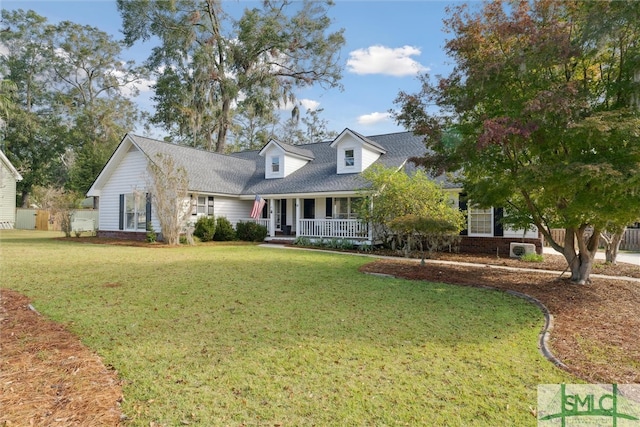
x: 314, y: 218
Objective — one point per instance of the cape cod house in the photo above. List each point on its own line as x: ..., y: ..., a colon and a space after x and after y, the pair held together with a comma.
x: 9, y: 176
x: 307, y: 190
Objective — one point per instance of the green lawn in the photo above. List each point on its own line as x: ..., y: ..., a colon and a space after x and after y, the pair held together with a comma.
x: 245, y: 335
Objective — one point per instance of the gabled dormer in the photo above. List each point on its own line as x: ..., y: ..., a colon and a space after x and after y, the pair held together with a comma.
x: 281, y: 160
x: 355, y: 152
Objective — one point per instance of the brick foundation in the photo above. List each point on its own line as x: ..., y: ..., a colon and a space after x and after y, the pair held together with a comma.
x: 494, y: 245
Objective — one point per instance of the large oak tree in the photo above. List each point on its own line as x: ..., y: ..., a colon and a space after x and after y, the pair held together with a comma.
x: 541, y: 114
x: 208, y: 62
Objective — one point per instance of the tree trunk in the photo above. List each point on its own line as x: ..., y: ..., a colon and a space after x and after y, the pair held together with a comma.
x: 224, y: 126
x: 612, y: 245
x: 580, y: 259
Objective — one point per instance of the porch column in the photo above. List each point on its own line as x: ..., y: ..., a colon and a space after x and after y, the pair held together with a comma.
x: 297, y: 216
x: 272, y: 217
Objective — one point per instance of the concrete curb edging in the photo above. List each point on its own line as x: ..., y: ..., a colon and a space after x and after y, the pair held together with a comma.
x: 545, y: 333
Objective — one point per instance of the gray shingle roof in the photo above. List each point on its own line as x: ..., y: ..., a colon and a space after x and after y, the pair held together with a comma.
x: 296, y: 150
x: 208, y: 172
x: 243, y: 173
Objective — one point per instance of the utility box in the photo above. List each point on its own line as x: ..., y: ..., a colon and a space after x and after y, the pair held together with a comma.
x: 516, y: 250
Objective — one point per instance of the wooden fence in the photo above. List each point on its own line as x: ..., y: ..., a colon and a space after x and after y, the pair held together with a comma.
x: 630, y: 240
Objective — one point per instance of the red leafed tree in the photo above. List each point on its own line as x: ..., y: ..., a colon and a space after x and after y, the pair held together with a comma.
x: 541, y: 115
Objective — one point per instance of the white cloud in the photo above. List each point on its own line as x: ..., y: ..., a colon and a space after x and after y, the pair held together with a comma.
x: 373, y: 118
x: 140, y: 86
x: 385, y: 60
x: 309, y: 104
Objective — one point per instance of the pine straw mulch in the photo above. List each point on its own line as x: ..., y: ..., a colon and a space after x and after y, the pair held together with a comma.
x: 48, y: 378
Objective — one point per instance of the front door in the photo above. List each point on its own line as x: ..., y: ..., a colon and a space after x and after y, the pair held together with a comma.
x: 278, y: 214
x: 283, y: 214
x: 309, y: 209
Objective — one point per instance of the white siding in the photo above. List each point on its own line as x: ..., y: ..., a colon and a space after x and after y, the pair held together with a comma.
x: 532, y: 233
x: 288, y: 163
x: 368, y: 158
x: 321, y: 208
x: 271, y: 152
x: 232, y: 208
x: 292, y: 164
x: 128, y: 176
x: 7, y: 195
x: 362, y: 157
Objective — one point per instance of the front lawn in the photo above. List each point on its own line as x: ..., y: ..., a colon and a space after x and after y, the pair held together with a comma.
x: 245, y: 335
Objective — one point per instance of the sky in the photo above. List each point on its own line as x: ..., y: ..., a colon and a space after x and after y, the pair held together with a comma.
x: 388, y: 45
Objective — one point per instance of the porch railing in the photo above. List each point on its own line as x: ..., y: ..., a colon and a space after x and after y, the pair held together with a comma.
x: 333, y: 228
x: 325, y: 228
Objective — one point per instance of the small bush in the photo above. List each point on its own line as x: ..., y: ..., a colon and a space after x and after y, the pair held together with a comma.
x: 302, y: 241
x: 532, y: 257
x: 336, y: 243
x: 365, y: 247
x: 251, y: 231
x: 184, y: 240
x: 224, y: 230
x: 205, y: 228
x: 152, y: 236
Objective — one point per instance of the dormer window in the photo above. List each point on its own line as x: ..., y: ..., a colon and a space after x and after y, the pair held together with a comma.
x: 281, y: 160
x: 354, y: 152
x: 349, y: 160
x: 275, y: 164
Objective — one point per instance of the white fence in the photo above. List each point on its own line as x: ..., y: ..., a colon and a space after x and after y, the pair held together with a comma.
x: 26, y: 219
x: 630, y: 240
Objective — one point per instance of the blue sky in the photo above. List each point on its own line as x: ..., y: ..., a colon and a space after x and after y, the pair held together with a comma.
x: 388, y: 43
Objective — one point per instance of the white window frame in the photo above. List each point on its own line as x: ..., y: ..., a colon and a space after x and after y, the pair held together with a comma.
x: 275, y: 164
x: 202, y: 205
x: 484, y: 212
x: 350, y: 212
x: 139, y: 209
x: 349, y: 161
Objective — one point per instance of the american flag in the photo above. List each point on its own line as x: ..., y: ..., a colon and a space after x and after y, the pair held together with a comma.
x: 258, y: 204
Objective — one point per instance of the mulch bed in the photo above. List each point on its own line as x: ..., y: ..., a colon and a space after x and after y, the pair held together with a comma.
x: 47, y: 377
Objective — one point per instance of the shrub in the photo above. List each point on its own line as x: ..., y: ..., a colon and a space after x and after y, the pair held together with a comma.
x: 152, y: 236
x: 532, y: 257
x: 224, y: 230
x: 251, y: 231
x: 205, y: 228
x: 336, y: 243
x: 302, y: 241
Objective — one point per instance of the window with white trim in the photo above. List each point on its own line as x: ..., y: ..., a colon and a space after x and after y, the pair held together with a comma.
x: 480, y: 221
x: 349, y: 158
x: 135, y: 211
x: 275, y: 164
x: 204, y: 206
x: 345, y: 207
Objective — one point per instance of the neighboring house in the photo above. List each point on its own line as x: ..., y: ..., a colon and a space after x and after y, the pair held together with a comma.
x: 309, y: 189
x: 8, y: 178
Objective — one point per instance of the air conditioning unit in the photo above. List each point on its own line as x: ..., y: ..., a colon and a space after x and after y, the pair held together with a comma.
x: 516, y: 250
